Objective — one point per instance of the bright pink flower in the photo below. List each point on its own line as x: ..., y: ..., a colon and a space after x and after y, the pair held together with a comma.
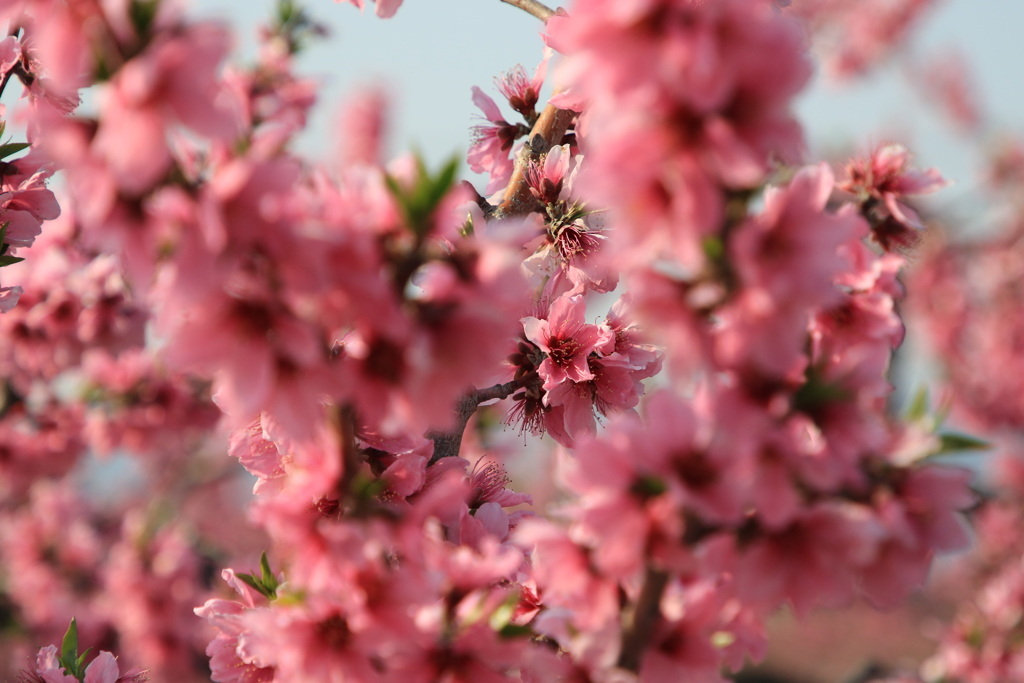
x: 567, y: 340
x: 24, y: 200
x: 546, y: 180
x: 521, y: 92
x: 883, y: 182
x: 489, y: 152
x: 102, y: 669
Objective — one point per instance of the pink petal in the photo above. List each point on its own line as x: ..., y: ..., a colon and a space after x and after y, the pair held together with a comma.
x: 102, y: 670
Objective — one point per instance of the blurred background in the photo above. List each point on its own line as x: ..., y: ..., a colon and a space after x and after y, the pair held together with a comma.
x: 431, y: 53
x: 949, y: 92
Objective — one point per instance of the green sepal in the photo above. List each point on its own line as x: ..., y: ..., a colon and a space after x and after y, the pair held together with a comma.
x: 254, y: 583
x: 12, y: 148
x: 266, y: 584
x: 515, y: 631
x: 817, y: 392
x: 69, y: 658
x: 142, y: 14
x: 648, y: 486
x: 952, y: 442
x: 366, y: 488
x: 5, y: 258
x: 713, y: 247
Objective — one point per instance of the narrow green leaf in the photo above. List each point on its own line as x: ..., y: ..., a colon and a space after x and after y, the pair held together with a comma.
x: 252, y: 582
x: 79, y: 668
x: 445, y: 179
x: 7, y: 260
x: 396, y: 191
x: 952, y: 442
x: 269, y: 581
x: 12, y: 148
x: 69, y: 648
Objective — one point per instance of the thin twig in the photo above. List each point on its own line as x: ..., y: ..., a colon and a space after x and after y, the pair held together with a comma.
x: 501, y: 390
x: 640, y: 623
x: 547, y: 132
x: 537, y: 9
x: 447, y: 444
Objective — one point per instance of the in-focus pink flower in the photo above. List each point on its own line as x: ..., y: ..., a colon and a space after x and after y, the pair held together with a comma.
x: 102, y: 669
x: 567, y: 340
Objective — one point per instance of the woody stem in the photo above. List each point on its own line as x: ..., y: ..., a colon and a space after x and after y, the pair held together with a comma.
x: 537, y: 9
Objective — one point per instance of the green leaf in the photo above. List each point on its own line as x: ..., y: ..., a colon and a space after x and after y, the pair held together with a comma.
x: 265, y: 572
x: 952, y: 442
x: 79, y: 669
x: 268, y: 579
x: 418, y: 203
x: 266, y: 585
x: 12, y: 148
x: 7, y: 260
x: 285, y: 11
x: 69, y: 650
x: 252, y: 582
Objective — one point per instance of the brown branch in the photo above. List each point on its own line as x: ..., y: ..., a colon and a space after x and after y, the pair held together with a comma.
x: 447, y: 444
x: 546, y: 133
x: 641, y: 621
x: 344, y: 419
x: 537, y: 9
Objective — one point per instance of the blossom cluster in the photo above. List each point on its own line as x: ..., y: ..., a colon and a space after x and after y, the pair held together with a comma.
x: 204, y: 291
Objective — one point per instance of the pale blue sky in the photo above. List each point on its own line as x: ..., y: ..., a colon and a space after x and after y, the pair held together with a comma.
x: 433, y: 51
